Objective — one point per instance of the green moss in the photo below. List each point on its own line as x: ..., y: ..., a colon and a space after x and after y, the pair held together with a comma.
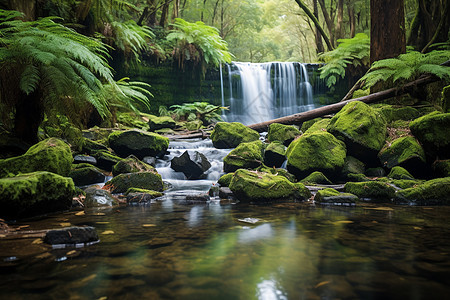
x: 34, y: 194
x: 352, y: 166
x: 375, y: 190
x: 230, y: 135
x: 284, y: 134
x: 275, y: 154
x: 445, y: 102
x: 143, y: 180
x: 362, y: 129
x: 138, y: 143
x: 394, y: 113
x: 277, y: 171
x: 106, y: 160
x: 360, y: 93
x: 51, y: 155
x: 331, y: 196
x: 225, y: 180
x: 156, y: 123
x: 432, y: 192
x: 320, y: 125
x: 404, y: 183
x: 81, y: 166
x: 316, y: 178
x: 131, y: 164
x: 245, y: 156
x: 442, y: 168
x: 307, y: 124
x: 400, y: 173
x: 153, y: 194
x: 91, y: 147
x: 357, y: 177
x: 193, y: 125
x: 402, y: 151
x: 328, y: 192
x: 318, y: 151
x: 250, y: 186
x: 132, y: 120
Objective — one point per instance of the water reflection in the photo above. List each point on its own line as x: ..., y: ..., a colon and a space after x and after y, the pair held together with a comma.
x: 268, y: 290
x: 248, y: 235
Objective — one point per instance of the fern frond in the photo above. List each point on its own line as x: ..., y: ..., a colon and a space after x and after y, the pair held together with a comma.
x: 29, y: 80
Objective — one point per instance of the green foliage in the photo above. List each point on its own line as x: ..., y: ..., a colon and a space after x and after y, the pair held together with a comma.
x: 198, y: 43
x: 408, y: 67
x: 129, y: 94
x: 197, y: 110
x: 354, y: 51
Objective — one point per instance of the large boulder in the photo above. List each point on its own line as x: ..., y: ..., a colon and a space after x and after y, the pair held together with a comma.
x: 156, y: 123
x: 230, y: 135
x: 138, y: 143
x: 362, y: 129
x: 316, y: 178
x: 84, y: 174
x: 275, y: 154
x: 405, y: 152
x: 432, y: 192
x: 35, y: 193
x: 318, y: 151
x: 52, y: 155
x: 320, y: 125
x: 432, y: 131
x: 131, y: 164
x: 352, y: 166
x: 372, y: 190
x: 400, y: 173
x: 142, y: 180
x: 282, y: 133
x: 192, y: 163
x: 245, y: 156
x: 392, y: 113
x: 106, y: 160
x: 254, y: 186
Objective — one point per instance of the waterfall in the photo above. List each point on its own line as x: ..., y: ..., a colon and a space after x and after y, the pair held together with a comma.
x: 263, y: 91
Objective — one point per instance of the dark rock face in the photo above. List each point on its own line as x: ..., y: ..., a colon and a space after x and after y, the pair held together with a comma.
x: 138, y: 143
x: 106, y: 160
x: 225, y: 193
x: 275, y: 155
x: 143, y: 180
x: 192, y: 163
x: 86, y: 175
x: 71, y: 235
x: 80, y: 159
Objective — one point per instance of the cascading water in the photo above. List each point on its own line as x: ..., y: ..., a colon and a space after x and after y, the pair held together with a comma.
x: 262, y: 91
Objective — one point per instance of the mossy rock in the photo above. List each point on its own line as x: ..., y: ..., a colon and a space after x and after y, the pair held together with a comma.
x: 318, y: 151
x: 375, y: 172
x: 360, y: 93
x: 90, y: 147
x: 432, y: 192
x: 307, y: 124
x: 441, y: 168
x: 400, y: 173
x: 52, y: 155
x: 131, y: 164
x: 401, y: 183
x: 316, y: 178
x: 282, y: 133
x: 445, y: 102
x: 432, y: 131
x: 362, y: 129
x: 275, y: 154
x: 245, y: 156
x: 352, y: 165
x: 132, y: 120
x: 405, y: 152
x: 230, y: 135
x: 106, y: 160
x: 331, y: 196
x: 84, y: 175
x: 372, y: 190
x: 254, y: 186
x: 34, y: 194
x: 225, y: 180
x: 357, y: 177
x: 193, y: 125
x: 138, y: 143
x: 392, y: 113
x: 318, y: 126
x: 156, y: 123
x: 142, y: 180
x: 136, y: 195
x: 277, y: 171
x: 97, y: 133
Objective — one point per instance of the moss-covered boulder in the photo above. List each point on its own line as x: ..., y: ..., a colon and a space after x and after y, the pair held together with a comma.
x: 35, y: 193
x: 230, y: 135
x: 307, y: 124
x: 245, y: 156
x: 318, y: 151
x: 394, y: 113
x: 275, y: 154
x: 52, y: 155
x: 405, y: 152
x: 320, y: 125
x: 106, y: 160
x: 254, y: 186
x: 84, y: 174
x: 138, y: 143
x: 131, y: 164
x: 445, y: 102
x: 277, y: 171
x: 441, y: 168
x: 138, y: 196
x: 362, y: 129
x: 432, y: 131
x: 371, y: 190
x: 432, y: 192
x: 332, y: 197
x: 375, y: 172
x: 90, y: 147
x: 131, y: 119
x: 316, y: 178
x: 400, y: 173
x: 225, y: 180
x: 352, y: 165
x: 284, y: 134
x: 357, y: 177
x: 142, y: 180
x: 156, y: 123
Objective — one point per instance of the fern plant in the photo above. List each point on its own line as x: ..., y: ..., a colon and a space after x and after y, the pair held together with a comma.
x: 408, y: 67
x: 132, y: 95
x: 204, y: 111
x: 352, y: 52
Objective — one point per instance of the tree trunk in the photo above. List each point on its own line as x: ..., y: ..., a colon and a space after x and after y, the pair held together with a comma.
x: 164, y: 13
x: 328, y: 20
x: 352, y: 19
x: 27, y: 7
x: 340, y: 20
x: 203, y: 10
x: 176, y: 9
x: 387, y: 33
x: 318, y: 37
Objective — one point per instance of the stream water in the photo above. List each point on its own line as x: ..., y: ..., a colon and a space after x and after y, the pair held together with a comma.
x: 172, y: 249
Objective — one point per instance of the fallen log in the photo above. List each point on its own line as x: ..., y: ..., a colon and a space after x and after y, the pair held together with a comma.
x: 299, y: 118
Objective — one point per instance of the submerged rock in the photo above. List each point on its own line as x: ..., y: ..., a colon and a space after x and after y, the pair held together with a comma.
x: 71, y: 235
x: 131, y: 164
x: 318, y: 151
x: 275, y: 154
x: 52, y: 155
x: 245, y: 156
x: 85, y: 174
x: 250, y: 186
x: 138, y: 143
x: 143, y: 180
x: 230, y: 135
x: 373, y: 190
x: 332, y: 197
x: 362, y: 129
x: 35, y: 194
x: 193, y: 164
x: 284, y: 134
x: 432, y: 192
x: 96, y: 197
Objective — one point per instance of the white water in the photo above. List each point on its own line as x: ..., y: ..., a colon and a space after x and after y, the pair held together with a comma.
x: 263, y: 91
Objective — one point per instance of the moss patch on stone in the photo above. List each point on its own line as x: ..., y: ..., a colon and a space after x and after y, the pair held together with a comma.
x: 106, y: 160
x: 143, y: 180
x: 131, y: 164
x: 245, y: 156
x: 138, y: 143
x: 225, y: 180
x: 393, y: 113
x: 405, y: 151
x: 153, y: 194
x: 52, y: 155
x: 316, y: 178
x: 400, y: 173
x: 275, y: 154
x: 352, y: 165
x: 230, y: 135
x: 432, y: 192
x: 156, y: 123
x: 320, y: 125
x: 373, y: 190
x: 284, y: 134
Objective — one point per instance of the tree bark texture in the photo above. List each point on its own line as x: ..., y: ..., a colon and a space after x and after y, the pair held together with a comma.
x: 318, y: 37
x: 387, y: 29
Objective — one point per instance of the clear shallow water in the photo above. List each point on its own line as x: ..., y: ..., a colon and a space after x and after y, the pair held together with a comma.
x: 170, y: 250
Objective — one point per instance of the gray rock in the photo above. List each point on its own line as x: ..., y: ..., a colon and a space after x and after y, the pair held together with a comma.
x: 71, y: 235
x: 96, y: 197
x: 192, y: 163
x: 79, y: 159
